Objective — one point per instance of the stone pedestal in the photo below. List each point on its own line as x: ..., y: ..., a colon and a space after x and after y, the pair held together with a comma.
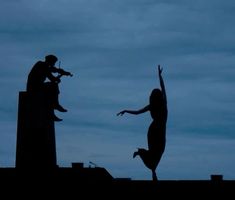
x: 35, y: 146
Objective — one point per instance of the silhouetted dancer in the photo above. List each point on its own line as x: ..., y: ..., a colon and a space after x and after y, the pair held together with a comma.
x: 36, y: 82
x: 157, y: 129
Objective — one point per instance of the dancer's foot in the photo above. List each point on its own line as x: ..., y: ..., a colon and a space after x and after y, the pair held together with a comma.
x: 154, y: 176
x: 135, y: 154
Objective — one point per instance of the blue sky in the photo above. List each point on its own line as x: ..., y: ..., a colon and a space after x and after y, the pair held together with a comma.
x: 113, y: 49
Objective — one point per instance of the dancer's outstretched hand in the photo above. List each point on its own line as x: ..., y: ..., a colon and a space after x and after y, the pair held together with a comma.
x: 121, y: 113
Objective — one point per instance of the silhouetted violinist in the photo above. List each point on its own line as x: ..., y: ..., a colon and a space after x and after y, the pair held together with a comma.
x: 36, y: 82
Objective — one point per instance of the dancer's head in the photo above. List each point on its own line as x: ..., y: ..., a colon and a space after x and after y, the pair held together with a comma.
x: 156, y: 96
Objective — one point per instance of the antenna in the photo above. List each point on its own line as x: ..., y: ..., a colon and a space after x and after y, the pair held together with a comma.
x: 95, y: 165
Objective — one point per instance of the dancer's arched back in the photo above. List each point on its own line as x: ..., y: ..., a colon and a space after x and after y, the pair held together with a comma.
x: 157, y: 130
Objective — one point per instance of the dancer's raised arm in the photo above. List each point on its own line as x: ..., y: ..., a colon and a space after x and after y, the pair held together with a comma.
x: 135, y: 112
x: 162, y: 83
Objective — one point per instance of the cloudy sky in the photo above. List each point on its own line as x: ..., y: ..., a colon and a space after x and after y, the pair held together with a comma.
x: 113, y: 48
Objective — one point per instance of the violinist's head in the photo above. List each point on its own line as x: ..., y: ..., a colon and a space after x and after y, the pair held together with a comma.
x: 51, y: 59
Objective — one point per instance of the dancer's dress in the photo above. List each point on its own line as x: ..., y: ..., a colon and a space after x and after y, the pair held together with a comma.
x: 156, y: 132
